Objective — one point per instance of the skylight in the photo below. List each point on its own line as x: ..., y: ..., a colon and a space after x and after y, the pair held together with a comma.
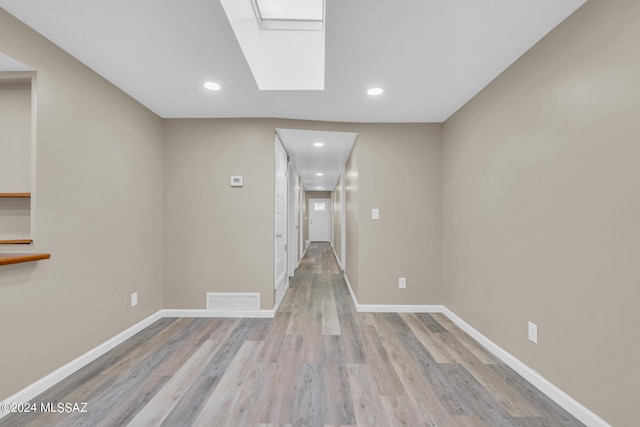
x: 279, y: 58
x: 289, y: 14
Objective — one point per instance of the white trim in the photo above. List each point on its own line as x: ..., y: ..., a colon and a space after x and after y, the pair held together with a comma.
x: 32, y: 391
x: 209, y: 313
x: 400, y: 308
x: 280, y: 293
x: 353, y: 296
x: 571, y: 405
x: 335, y: 254
x: 343, y: 218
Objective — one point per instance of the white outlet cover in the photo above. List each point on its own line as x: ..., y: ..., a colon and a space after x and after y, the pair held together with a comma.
x: 533, y: 333
x: 134, y: 299
x: 375, y: 213
x: 236, y: 181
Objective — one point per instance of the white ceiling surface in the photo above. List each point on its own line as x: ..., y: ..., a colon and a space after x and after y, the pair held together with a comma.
x: 309, y: 160
x: 279, y: 60
x: 7, y: 63
x: 430, y: 56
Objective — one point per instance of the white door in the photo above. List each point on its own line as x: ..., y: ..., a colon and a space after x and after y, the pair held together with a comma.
x: 281, y: 219
x: 294, y: 227
x: 319, y: 220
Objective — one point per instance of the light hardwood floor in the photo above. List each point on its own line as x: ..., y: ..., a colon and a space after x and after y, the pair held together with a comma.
x: 317, y: 363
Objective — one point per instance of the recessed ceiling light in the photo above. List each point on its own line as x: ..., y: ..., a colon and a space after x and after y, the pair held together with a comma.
x: 319, y: 174
x: 212, y: 86
x: 318, y: 188
x: 318, y: 144
x: 375, y: 91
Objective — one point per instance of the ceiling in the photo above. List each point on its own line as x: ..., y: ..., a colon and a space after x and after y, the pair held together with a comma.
x: 429, y: 56
x: 311, y: 160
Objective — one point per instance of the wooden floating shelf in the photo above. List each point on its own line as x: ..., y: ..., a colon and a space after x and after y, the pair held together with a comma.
x: 16, y: 242
x: 6, y: 259
x: 15, y: 195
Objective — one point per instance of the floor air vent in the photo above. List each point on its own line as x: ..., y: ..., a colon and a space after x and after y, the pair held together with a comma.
x: 231, y: 301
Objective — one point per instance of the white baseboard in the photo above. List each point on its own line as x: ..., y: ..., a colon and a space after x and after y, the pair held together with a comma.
x: 336, y: 255
x: 30, y: 392
x: 571, y: 405
x: 258, y: 314
x: 400, y: 308
x: 280, y: 294
x: 353, y: 296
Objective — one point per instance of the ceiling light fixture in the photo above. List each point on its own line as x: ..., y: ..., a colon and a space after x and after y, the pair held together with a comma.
x: 374, y: 91
x: 212, y: 86
x: 319, y: 174
x: 318, y: 188
x: 318, y: 144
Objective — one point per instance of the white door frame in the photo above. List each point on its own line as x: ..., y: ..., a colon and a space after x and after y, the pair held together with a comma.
x: 343, y: 221
x: 302, y: 248
x: 293, y: 219
x: 281, y: 278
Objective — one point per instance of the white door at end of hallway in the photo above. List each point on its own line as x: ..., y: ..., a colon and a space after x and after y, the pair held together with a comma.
x: 319, y: 220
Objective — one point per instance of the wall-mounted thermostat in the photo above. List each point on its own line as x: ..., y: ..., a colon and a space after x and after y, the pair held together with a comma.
x: 237, y: 181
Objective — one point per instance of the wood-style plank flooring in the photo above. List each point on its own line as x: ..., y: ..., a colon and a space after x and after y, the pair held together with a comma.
x: 317, y: 363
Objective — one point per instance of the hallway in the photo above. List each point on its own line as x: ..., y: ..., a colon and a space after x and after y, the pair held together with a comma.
x: 317, y: 363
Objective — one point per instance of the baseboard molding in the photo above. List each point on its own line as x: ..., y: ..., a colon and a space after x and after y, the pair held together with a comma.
x: 571, y: 405
x: 399, y: 308
x: 32, y: 391
x: 353, y: 296
x: 258, y: 314
x: 280, y: 294
x: 335, y: 254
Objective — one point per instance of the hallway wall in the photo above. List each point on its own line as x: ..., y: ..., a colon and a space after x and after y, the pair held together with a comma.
x: 399, y: 171
x: 218, y: 238
x: 97, y: 204
x: 541, y: 208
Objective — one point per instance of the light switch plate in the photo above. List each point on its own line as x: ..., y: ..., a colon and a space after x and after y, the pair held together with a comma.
x: 533, y: 333
x: 375, y: 213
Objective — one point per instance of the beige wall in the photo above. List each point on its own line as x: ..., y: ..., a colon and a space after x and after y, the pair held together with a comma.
x: 218, y: 238
x: 312, y: 195
x: 541, y: 208
x: 98, y: 210
x: 15, y: 137
x: 399, y: 172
